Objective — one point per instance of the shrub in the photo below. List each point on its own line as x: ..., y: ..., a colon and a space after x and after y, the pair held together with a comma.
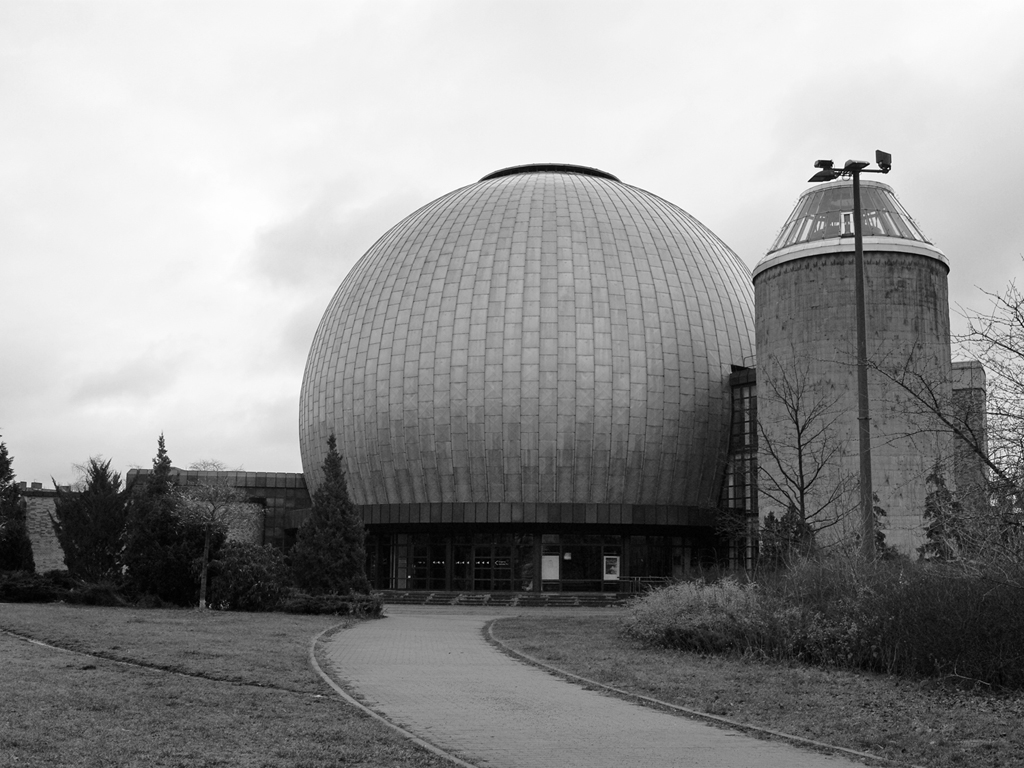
x: 895, y: 617
x: 89, y: 523
x: 55, y: 586
x: 352, y: 604
x: 15, y: 546
x: 27, y: 587
x: 104, y: 593
x: 696, y: 616
x: 248, y: 577
x: 942, y: 622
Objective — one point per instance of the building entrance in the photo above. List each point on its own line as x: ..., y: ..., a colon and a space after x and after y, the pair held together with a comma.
x: 528, y: 562
x: 480, y: 563
x: 484, y: 567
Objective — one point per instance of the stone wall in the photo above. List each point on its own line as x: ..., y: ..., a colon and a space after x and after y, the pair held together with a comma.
x: 39, y: 506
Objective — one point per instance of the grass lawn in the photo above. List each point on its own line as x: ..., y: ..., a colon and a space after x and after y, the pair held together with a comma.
x: 916, y: 722
x: 247, y: 696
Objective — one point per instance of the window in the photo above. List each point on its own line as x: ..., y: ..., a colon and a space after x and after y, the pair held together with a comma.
x: 847, y: 228
x: 741, y: 468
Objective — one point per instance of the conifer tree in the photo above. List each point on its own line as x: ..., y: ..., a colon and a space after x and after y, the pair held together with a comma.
x: 329, y: 555
x: 162, y: 551
x: 89, y: 523
x: 15, y: 545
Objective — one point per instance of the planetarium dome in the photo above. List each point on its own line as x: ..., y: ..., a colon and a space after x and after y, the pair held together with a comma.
x: 545, y: 337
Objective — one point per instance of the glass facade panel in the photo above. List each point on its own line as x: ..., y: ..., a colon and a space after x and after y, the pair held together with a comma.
x: 486, y: 563
x: 650, y: 556
x: 739, y: 491
x: 820, y: 213
x: 508, y: 562
x: 462, y: 555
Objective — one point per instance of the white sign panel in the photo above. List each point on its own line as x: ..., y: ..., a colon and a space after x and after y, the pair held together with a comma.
x: 549, y: 568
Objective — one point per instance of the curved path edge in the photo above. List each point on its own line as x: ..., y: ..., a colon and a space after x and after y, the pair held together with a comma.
x: 488, y: 634
x: 349, y: 699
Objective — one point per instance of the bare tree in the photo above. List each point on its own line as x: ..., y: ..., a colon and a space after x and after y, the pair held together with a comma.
x: 215, y: 503
x: 800, y: 453
x: 996, y: 339
x: 979, y: 523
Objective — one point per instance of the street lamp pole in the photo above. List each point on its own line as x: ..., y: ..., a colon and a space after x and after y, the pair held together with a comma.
x: 827, y: 172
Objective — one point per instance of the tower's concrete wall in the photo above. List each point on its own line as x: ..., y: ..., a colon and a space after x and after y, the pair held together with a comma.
x: 806, y: 337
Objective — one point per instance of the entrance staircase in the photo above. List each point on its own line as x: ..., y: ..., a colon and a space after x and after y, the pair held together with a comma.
x: 520, y: 599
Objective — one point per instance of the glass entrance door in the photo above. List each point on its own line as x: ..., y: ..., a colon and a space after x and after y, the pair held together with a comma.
x: 482, y: 569
x: 492, y: 568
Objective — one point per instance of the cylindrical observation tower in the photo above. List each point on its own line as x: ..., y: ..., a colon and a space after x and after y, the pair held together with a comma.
x: 807, y: 363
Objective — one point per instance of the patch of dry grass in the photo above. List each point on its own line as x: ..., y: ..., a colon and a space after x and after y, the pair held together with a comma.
x: 915, y: 722
x: 247, y: 696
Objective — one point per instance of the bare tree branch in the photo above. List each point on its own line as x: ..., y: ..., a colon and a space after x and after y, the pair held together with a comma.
x: 799, y: 467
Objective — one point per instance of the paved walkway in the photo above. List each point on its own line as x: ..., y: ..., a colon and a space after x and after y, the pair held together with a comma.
x: 430, y: 671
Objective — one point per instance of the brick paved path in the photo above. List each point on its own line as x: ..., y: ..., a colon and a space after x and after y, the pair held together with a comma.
x: 431, y: 671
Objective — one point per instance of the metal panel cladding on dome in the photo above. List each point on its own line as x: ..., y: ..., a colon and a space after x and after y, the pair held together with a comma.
x: 545, y: 335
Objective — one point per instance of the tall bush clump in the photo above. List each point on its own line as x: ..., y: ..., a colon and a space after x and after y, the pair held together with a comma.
x: 896, y: 617
x: 943, y: 622
x: 248, y: 577
x: 89, y: 524
x: 720, y: 617
x: 329, y: 555
x: 921, y: 619
x: 819, y: 611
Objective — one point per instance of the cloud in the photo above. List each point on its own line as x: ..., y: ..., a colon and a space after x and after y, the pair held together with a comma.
x: 323, y: 242
x: 140, y: 379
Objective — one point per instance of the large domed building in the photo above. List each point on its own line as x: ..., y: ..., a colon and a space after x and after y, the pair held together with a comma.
x: 528, y: 379
x: 545, y: 381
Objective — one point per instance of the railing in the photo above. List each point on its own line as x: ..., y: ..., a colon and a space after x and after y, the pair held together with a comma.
x: 635, y: 585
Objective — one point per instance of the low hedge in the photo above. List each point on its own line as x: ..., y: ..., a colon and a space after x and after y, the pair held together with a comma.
x: 56, y: 586
x: 352, y: 604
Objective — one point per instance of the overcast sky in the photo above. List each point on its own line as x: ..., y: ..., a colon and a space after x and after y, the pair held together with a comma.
x: 183, y: 186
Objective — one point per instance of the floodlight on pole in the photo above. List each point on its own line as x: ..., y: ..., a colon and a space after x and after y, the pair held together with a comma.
x: 853, y: 169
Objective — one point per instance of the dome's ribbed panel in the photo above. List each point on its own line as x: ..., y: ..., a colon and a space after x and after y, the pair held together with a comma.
x: 543, y: 336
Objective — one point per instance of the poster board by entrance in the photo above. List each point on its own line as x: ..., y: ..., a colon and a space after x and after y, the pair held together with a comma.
x: 611, y: 567
x: 549, y: 568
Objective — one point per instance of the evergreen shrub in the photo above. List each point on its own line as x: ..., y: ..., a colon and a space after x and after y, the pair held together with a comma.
x: 15, y: 544
x: 248, y: 577
x: 329, y: 556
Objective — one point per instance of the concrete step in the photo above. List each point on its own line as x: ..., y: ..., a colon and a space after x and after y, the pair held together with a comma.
x: 526, y: 599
